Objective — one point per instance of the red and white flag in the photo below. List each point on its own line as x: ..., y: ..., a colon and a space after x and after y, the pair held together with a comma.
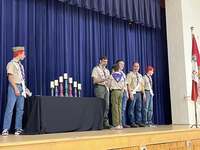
x: 195, y: 68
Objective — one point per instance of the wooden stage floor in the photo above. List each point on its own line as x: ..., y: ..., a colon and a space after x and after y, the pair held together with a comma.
x: 175, y: 137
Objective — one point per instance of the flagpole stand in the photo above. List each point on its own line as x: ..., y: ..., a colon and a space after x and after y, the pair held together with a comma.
x: 196, y: 125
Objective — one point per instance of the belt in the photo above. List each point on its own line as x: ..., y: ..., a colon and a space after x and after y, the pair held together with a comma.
x: 138, y: 92
x: 116, y: 90
x: 100, y: 85
x: 147, y: 90
x: 18, y: 83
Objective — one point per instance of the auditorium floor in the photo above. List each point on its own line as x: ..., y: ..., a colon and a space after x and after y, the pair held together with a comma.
x: 13, y: 140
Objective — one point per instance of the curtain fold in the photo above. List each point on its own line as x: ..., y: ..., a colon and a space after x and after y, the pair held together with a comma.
x: 138, y: 11
x: 61, y: 38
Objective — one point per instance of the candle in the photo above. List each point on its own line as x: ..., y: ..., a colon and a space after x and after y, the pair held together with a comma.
x: 70, y: 80
x: 56, y: 82
x: 65, y: 76
x: 52, y: 84
x: 61, y: 79
x: 79, y: 86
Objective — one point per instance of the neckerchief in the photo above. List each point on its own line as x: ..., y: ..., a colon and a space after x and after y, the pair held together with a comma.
x: 150, y: 80
x: 118, y: 76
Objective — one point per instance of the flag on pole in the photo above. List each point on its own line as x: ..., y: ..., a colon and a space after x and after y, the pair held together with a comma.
x: 195, y: 68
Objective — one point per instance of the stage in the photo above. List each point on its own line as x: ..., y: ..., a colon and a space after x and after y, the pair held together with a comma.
x: 176, y: 137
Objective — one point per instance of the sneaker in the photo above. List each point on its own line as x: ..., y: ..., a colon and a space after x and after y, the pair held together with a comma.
x: 5, y: 132
x: 107, y: 126
x: 140, y: 124
x: 133, y: 125
x: 117, y: 127
x: 126, y: 126
x: 152, y: 126
x: 18, y: 132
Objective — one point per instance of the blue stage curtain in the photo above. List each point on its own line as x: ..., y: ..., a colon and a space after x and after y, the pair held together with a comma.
x: 145, y: 12
x: 62, y: 38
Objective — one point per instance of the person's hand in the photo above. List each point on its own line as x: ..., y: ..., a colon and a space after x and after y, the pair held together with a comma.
x: 17, y: 93
x: 131, y: 97
x: 28, y: 93
x: 144, y: 97
x: 151, y: 93
x: 127, y: 95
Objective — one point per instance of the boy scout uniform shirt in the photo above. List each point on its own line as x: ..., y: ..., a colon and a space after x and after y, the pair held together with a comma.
x: 14, y: 69
x: 135, y: 81
x: 120, y: 85
x: 101, y: 73
x: 148, y: 83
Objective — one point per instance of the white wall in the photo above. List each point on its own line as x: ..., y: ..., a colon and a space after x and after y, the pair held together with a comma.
x: 191, y: 17
x: 180, y: 16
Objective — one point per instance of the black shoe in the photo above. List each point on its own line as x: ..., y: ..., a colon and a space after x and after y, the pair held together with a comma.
x: 18, y: 132
x: 133, y: 125
x: 141, y: 125
x: 126, y: 126
x: 107, y: 127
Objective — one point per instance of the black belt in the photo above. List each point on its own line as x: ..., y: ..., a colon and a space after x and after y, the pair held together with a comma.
x: 18, y: 83
x: 138, y: 92
x: 147, y: 90
x: 116, y: 90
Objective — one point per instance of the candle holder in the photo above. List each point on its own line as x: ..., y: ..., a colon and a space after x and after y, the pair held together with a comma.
x: 61, y: 85
x: 52, y: 88
x: 70, y: 87
x: 66, y: 84
x: 75, y: 88
x: 56, y: 87
x: 79, y: 89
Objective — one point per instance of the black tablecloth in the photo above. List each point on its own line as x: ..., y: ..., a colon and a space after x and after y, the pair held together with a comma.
x: 46, y: 114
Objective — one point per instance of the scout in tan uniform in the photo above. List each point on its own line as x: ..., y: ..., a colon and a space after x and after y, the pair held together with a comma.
x: 117, y: 87
x: 100, y: 76
x: 135, y: 89
x: 148, y: 102
x: 16, y: 91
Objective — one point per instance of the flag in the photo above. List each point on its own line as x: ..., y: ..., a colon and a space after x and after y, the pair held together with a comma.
x: 195, y: 68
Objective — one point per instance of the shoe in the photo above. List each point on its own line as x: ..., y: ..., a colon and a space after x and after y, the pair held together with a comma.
x: 5, y: 132
x: 151, y: 126
x: 141, y: 125
x: 133, y: 125
x: 18, y: 131
x: 126, y: 126
x: 107, y: 127
x: 117, y: 127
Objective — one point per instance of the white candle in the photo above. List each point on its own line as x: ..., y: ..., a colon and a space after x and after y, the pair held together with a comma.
x: 61, y: 79
x: 75, y: 84
x: 65, y: 76
x: 56, y: 82
x: 79, y: 86
x: 52, y: 84
x: 70, y: 80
